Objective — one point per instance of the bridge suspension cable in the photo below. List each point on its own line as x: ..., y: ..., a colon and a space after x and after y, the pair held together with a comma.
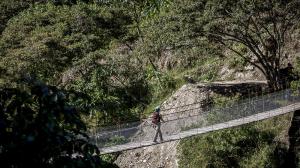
x: 195, y: 121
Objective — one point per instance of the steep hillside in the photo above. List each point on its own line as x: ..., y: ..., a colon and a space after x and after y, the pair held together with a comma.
x: 125, y: 57
x: 260, y: 144
x: 166, y: 154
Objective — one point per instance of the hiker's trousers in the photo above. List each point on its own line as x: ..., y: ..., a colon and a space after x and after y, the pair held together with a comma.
x: 158, y: 131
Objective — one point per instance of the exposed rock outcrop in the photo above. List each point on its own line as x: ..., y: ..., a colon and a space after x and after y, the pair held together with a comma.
x: 165, y: 155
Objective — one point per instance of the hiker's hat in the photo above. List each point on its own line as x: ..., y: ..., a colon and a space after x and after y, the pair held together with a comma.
x: 157, y: 109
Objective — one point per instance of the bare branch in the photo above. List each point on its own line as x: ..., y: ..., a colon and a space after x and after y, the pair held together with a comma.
x: 245, y: 58
x: 257, y: 32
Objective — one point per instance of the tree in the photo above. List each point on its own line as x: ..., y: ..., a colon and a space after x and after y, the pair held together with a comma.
x: 146, y: 8
x: 47, y: 40
x: 9, y: 9
x: 255, y: 26
x: 139, y: 10
x: 117, y: 86
x: 38, y: 128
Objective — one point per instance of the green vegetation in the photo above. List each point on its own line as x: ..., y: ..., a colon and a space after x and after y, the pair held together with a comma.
x: 123, y: 58
x: 46, y: 40
x: 39, y: 128
x: 116, y: 140
x: 221, y: 101
x: 9, y: 9
x: 119, y: 59
x: 260, y: 27
x: 259, y: 144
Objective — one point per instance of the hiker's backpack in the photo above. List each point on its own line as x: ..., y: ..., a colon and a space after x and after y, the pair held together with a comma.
x: 155, y: 118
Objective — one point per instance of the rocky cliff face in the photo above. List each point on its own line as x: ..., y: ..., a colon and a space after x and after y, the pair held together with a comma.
x: 164, y: 155
x: 190, y: 96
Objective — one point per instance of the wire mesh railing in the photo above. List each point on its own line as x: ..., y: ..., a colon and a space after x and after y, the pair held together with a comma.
x: 192, y: 120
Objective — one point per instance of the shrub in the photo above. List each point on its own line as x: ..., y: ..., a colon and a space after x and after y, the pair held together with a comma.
x: 38, y: 128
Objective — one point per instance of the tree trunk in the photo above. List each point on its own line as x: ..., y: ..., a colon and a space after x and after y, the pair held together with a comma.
x: 274, y: 79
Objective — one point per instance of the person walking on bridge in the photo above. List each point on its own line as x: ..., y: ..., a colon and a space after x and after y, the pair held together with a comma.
x: 156, y: 122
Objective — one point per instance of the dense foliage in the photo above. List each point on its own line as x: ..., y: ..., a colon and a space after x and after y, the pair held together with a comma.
x: 9, y: 9
x: 117, y: 88
x: 260, y: 28
x: 128, y: 56
x: 253, y: 145
x: 39, y: 128
x: 46, y: 40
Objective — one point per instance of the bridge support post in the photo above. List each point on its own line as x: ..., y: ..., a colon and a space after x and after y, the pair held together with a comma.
x: 140, y: 136
x: 263, y: 104
x: 283, y: 98
x: 198, y: 121
x: 212, y: 112
x: 237, y: 109
x: 293, y: 100
x: 227, y: 111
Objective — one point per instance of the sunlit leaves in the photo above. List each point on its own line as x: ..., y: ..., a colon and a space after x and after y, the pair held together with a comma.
x: 46, y: 40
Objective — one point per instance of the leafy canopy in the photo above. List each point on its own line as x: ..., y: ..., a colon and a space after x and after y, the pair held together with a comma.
x: 260, y: 27
x: 46, y: 39
x: 39, y: 128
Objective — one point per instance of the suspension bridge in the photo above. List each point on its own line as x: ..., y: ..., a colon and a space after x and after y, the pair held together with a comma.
x: 195, y: 120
